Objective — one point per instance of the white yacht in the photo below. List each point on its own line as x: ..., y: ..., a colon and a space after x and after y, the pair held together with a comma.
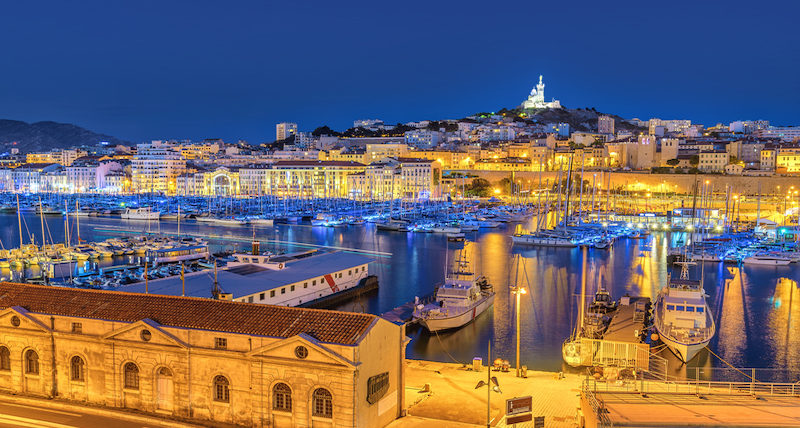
x: 145, y: 213
x: 682, y: 318
x: 767, y: 260
x: 462, y: 298
x: 544, y: 239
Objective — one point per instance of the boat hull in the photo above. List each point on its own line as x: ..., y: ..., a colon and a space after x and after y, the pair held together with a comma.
x: 460, y: 320
x: 685, y: 351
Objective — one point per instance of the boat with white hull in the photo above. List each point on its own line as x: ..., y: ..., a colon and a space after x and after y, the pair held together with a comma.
x: 145, y: 213
x: 767, y: 260
x: 543, y: 240
x: 462, y: 298
x: 682, y: 318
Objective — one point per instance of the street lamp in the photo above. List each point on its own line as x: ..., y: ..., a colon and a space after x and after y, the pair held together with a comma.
x: 518, y: 291
x: 490, y: 380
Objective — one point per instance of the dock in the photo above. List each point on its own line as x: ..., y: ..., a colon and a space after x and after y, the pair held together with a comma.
x: 404, y: 313
x: 629, y: 320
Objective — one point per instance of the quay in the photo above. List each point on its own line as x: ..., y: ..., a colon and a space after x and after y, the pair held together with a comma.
x: 444, y: 395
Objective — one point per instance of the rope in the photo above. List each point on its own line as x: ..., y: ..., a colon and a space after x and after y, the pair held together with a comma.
x: 445, y: 349
x: 729, y: 365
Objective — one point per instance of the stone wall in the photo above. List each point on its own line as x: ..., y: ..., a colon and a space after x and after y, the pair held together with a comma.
x: 680, y: 183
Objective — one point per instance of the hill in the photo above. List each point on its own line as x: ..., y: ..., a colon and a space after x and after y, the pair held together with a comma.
x: 43, y: 136
x: 578, y: 119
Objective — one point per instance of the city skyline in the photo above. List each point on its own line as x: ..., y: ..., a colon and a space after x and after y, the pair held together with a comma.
x: 140, y: 75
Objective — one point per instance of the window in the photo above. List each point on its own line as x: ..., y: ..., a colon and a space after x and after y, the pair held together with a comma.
x: 679, y: 308
x: 282, y: 397
x: 670, y: 307
x: 5, y: 358
x: 131, y: 376
x: 301, y: 352
x: 31, y: 362
x: 283, y: 290
x: 305, y: 285
x: 250, y: 299
x: 221, y: 389
x: 221, y: 343
x: 323, y: 403
x: 76, y: 368
x: 77, y: 327
x: 292, y: 288
x: 146, y: 335
x: 690, y: 309
x: 700, y: 309
x: 350, y: 272
x: 272, y: 293
x: 314, y: 282
x: 261, y: 296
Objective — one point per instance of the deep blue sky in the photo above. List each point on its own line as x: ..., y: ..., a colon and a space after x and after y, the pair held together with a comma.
x: 142, y: 70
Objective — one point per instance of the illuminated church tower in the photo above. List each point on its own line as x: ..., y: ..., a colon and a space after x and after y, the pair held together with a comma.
x: 536, y: 98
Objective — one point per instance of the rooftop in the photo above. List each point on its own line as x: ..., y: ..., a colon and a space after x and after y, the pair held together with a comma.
x: 244, y: 282
x: 187, y: 312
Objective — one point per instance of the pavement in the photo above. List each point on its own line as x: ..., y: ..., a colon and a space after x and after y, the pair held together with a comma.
x: 451, y: 399
x: 18, y: 411
x: 669, y: 409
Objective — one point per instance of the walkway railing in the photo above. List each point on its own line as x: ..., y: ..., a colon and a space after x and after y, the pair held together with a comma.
x: 598, y: 406
x: 703, y: 387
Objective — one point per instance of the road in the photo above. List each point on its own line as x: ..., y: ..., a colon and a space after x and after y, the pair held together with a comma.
x: 14, y: 414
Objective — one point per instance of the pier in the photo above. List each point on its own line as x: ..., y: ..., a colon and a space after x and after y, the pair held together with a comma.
x: 629, y: 320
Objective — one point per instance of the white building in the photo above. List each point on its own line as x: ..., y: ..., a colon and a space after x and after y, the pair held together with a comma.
x: 536, y: 98
x: 371, y: 124
x: 423, y: 138
x: 155, y: 168
x: 284, y: 130
x: 786, y: 133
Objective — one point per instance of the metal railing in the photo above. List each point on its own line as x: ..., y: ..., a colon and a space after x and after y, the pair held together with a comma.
x: 598, y: 406
x: 693, y: 387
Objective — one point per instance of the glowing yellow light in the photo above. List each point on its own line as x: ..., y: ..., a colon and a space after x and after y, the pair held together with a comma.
x: 496, y: 191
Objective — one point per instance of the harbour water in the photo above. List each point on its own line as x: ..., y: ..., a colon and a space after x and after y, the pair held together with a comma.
x: 756, y: 308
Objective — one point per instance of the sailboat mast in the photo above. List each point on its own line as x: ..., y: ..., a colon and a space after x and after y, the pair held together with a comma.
x: 579, y: 327
x: 19, y: 223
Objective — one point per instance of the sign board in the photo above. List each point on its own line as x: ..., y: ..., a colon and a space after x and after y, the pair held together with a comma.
x: 538, y: 422
x: 377, y: 386
x: 519, y: 419
x: 515, y: 406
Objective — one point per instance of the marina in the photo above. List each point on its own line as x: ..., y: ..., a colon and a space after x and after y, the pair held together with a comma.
x: 634, y: 266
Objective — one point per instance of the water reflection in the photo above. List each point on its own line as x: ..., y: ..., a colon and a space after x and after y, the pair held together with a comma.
x: 756, y: 309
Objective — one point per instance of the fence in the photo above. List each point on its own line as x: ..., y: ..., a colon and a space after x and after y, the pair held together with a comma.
x: 643, y: 386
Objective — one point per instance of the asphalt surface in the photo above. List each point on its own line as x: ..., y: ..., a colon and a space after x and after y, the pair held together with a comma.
x: 23, y: 415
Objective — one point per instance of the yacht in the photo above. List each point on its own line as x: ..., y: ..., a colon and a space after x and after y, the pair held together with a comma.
x: 682, y: 317
x: 767, y: 260
x: 462, y: 298
x: 145, y: 213
x: 544, y: 239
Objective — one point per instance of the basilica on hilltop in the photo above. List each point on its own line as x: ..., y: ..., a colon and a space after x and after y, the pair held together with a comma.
x: 536, y: 98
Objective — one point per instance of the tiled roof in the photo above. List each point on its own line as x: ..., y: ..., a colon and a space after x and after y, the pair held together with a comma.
x: 188, y: 312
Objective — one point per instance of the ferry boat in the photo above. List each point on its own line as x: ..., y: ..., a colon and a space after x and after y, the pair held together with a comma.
x: 145, y: 213
x: 461, y: 299
x: 682, y: 318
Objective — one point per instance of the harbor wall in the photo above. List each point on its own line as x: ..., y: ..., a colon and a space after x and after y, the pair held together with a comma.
x: 635, y: 181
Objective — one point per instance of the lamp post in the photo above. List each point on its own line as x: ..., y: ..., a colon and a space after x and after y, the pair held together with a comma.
x: 518, y: 291
x: 491, y: 384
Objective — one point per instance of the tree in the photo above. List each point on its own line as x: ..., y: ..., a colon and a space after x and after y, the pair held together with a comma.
x: 324, y: 130
x: 694, y: 160
x: 673, y: 162
x: 480, y: 187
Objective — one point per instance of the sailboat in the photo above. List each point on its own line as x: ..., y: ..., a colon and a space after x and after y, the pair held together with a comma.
x: 571, y: 348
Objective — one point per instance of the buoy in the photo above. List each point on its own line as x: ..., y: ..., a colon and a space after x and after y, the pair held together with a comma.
x: 654, y: 337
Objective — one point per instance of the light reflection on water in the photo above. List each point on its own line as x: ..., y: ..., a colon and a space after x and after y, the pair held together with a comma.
x: 756, y: 308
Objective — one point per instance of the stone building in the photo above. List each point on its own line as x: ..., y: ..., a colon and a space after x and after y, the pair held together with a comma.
x: 212, y: 360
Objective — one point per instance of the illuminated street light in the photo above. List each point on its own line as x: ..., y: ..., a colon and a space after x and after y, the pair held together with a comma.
x: 518, y: 291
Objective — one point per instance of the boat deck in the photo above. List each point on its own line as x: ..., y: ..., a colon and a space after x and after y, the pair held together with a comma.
x: 628, y: 320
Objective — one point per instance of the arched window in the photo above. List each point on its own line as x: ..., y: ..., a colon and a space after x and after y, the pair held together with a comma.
x: 323, y: 403
x: 76, y: 368
x: 221, y: 389
x: 131, y: 373
x: 5, y: 358
x: 282, y: 397
x: 31, y: 362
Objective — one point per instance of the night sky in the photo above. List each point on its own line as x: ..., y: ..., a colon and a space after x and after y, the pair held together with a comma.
x: 143, y: 70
